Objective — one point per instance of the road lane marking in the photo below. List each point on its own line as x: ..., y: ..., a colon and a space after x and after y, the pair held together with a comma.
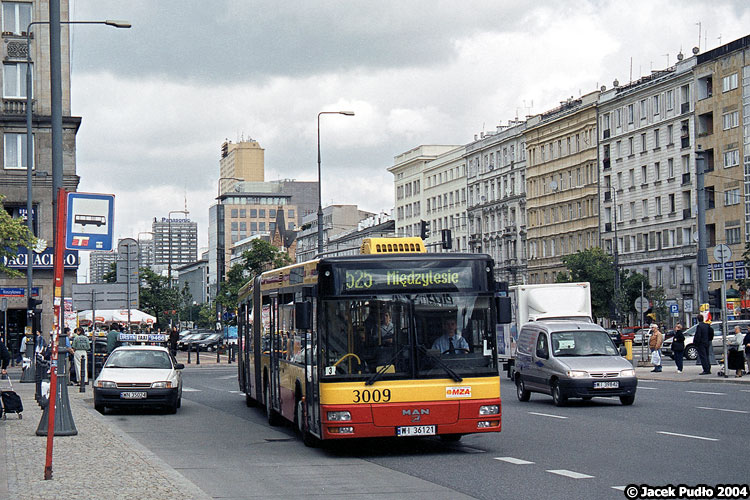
x: 570, y: 473
x: 546, y: 415
x: 744, y: 390
x: 686, y: 436
x: 649, y: 388
x: 512, y: 460
x: 227, y: 377
x: 190, y: 389
x: 709, y: 393
x: 721, y: 409
x: 621, y: 488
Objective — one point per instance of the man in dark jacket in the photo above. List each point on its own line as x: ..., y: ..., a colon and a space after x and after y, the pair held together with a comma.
x: 702, y: 342
x: 4, y: 359
x: 174, y: 336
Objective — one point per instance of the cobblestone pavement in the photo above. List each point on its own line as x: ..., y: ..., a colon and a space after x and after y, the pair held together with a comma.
x: 99, y: 463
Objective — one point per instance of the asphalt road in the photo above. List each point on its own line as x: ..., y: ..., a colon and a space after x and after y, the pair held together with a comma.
x: 676, y: 432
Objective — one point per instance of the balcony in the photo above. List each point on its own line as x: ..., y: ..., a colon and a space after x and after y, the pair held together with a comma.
x: 16, y: 106
x: 607, y: 195
x: 687, y: 288
x: 607, y: 227
x: 684, y: 107
x: 685, y: 142
x: 606, y: 134
x: 606, y: 163
x: 686, y: 213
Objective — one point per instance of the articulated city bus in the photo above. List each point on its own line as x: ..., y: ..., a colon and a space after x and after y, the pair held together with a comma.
x: 399, y: 344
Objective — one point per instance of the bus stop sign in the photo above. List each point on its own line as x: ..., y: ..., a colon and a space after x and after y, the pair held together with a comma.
x: 90, y: 222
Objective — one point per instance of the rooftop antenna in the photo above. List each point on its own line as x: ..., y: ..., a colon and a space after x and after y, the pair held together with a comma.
x: 699, y: 34
x: 667, y: 55
x: 719, y: 39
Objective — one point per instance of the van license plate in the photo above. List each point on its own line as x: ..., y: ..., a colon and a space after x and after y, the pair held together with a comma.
x: 133, y: 395
x: 416, y: 430
x: 607, y: 385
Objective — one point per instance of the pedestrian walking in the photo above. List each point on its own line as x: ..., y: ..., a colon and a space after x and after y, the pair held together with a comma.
x: 702, y: 342
x: 174, y: 336
x: 654, y: 344
x: 678, y: 346
x: 736, y: 355
x: 746, y: 344
x: 81, y: 348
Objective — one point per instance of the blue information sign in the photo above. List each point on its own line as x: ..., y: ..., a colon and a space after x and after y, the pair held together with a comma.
x: 90, y: 224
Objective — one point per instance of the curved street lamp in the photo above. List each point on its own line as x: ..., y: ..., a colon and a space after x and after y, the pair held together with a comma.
x: 320, y: 201
x: 30, y: 143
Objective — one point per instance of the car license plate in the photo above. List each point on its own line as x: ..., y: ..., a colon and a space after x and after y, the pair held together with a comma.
x: 607, y: 385
x: 416, y: 430
x: 133, y: 395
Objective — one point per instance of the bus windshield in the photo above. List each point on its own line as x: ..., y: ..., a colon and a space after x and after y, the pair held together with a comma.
x: 407, y: 336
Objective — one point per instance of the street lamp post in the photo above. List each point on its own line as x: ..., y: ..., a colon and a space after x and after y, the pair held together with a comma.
x: 320, y: 200
x: 57, y: 183
x: 169, y: 233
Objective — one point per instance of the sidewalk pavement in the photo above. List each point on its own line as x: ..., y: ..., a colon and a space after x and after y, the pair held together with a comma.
x: 101, y: 462
x: 690, y: 373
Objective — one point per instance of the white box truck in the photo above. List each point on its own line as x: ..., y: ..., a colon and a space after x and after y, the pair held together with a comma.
x: 570, y: 301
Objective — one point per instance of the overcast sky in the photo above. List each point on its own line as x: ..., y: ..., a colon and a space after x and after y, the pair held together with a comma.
x: 158, y: 100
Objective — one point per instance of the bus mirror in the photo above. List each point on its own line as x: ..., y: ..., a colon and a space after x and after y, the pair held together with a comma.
x: 303, y: 315
x: 503, y: 309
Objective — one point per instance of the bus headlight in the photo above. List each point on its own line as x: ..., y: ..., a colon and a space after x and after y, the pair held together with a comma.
x: 339, y: 416
x: 627, y: 373
x: 489, y: 410
x: 577, y: 373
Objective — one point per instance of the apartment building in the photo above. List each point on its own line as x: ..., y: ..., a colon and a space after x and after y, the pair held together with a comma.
x: 496, y: 186
x: 647, y: 180
x: 562, y: 185
x: 722, y: 127
x: 408, y: 179
x: 444, y: 201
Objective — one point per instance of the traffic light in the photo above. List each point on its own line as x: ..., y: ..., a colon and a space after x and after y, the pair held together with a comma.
x: 424, y: 229
x: 714, y: 299
x: 34, y: 303
x: 447, y: 238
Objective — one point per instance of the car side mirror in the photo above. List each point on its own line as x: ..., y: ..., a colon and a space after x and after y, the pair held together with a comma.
x: 623, y: 351
x: 179, y: 366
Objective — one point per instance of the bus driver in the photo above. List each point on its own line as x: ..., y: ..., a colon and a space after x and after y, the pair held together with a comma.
x: 449, y: 342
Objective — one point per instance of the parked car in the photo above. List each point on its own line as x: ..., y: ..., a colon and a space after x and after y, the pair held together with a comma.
x: 139, y: 375
x: 188, y: 341
x: 615, y: 336
x: 100, y: 353
x: 641, y: 336
x: 691, y: 352
x: 210, y: 343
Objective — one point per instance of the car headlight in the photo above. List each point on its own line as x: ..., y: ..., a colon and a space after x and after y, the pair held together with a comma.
x: 627, y: 373
x: 577, y: 373
x: 164, y: 384
x: 106, y: 384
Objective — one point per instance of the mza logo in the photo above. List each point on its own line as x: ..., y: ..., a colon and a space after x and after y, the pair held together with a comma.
x: 458, y: 392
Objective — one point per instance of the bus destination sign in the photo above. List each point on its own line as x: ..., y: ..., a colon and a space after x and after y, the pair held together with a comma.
x: 395, y: 280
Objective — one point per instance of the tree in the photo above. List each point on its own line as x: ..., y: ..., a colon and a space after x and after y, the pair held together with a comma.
x: 261, y: 256
x: 111, y: 275
x: 630, y: 286
x: 744, y: 283
x: 13, y: 234
x: 595, y: 266
x: 157, y: 298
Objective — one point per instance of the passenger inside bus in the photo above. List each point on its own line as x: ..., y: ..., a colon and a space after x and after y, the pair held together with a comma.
x: 450, y: 342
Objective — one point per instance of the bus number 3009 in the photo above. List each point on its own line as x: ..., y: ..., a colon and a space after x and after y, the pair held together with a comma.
x: 374, y: 396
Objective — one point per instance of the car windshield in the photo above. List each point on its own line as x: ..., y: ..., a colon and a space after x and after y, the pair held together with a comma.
x: 190, y: 336
x: 405, y: 336
x: 130, y: 358
x: 582, y: 343
x: 214, y: 336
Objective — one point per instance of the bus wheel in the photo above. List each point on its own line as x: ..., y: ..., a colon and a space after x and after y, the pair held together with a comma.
x: 271, y: 414
x: 451, y: 438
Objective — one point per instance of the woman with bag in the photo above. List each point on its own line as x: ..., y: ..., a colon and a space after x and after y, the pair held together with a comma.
x: 654, y: 344
x: 678, y: 346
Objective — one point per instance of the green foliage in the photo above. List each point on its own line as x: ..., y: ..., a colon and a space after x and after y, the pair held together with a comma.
x: 659, y: 310
x: 13, y: 234
x: 157, y: 297
x: 595, y: 266
x: 111, y: 275
x: 744, y: 283
x: 630, y: 287
x: 261, y: 256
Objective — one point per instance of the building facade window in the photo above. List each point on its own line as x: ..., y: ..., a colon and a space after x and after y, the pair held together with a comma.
x: 731, y: 158
x: 14, y: 151
x: 729, y: 82
x: 14, y: 80
x: 16, y: 17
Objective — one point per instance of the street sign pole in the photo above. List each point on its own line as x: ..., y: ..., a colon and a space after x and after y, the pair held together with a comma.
x: 722, y: 254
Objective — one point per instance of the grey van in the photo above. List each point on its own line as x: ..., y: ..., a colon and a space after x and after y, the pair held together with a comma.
x: 571, y: 359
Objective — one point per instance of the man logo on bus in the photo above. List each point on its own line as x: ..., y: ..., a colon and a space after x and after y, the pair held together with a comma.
x: 416, y: 413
